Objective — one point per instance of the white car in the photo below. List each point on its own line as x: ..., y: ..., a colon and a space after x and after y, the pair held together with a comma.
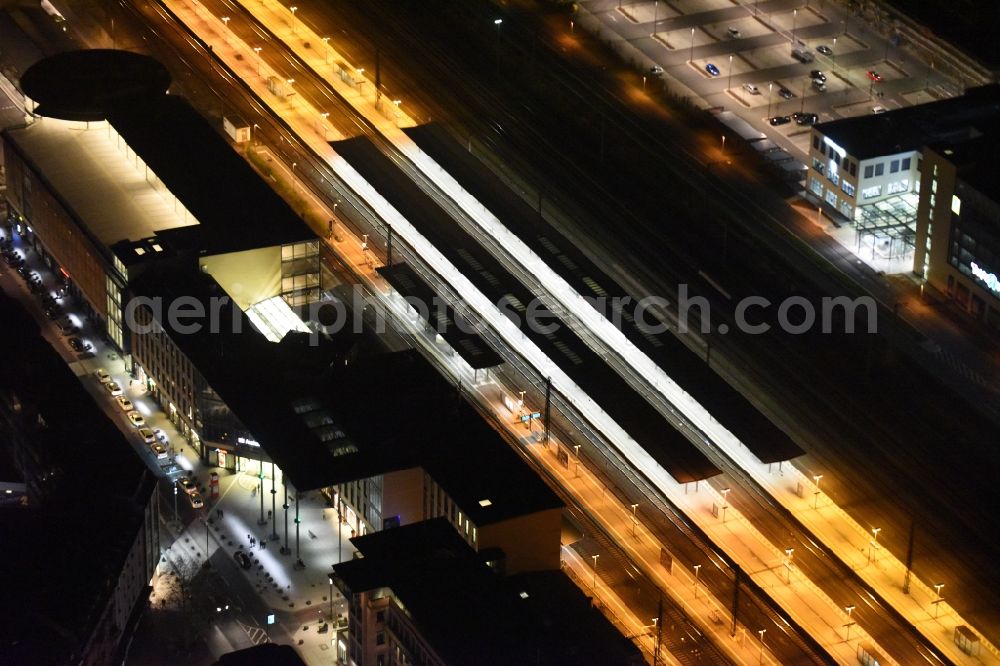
x: 103, y: 375
x: 147, y: 435
x: 160, y: 435
x: 113, y: 388
x: 187, y: 485
x: 136, y: 419
x: 124, y: 403
x: 196, y: 501
x: 751, y: 88
x: 158, y: 450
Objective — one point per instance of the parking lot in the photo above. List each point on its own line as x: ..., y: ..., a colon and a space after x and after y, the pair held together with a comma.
x: 738, y: 56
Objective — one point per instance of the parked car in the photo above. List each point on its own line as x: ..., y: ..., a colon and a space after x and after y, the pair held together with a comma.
x: 197, y: 502
x: 785, y: 93
x: 159, y: 451
x: 751, y: 88
x: 79, y: 345
x: 819, y: 86
x: 147, y: 436
x: 113, y: 387
x: 243, y: 559
x: 655, y: 70
x: 817, y: 75
x: 879, y: 109
x: 160, y: 435
x: 825, y: 50
x: 734, y: 33
x: 105, y: 377
x: 712, y: 69
x: 187, y: 485
x: 54, y: 312
x: 874, y: 76
x: 805, y: 118
x: 780, y: 120
x: 125, y: 403
x: 136, y: 419
x: 802, y: 54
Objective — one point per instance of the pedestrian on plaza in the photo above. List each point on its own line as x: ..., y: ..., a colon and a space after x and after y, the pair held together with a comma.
x: 253, y: 542
x: 263, y: 544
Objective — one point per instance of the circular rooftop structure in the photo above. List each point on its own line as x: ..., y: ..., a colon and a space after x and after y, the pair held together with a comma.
x: 87, y: 85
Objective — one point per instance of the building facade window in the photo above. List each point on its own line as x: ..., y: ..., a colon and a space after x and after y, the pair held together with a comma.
x: 906, y: 164
x: 879, y: 169
x: 816, y: 186
x: 831, y: 197
x: 869, y: 171
x: 847, y: 187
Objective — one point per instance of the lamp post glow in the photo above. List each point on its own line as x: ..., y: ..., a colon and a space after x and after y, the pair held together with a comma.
x: 788, y: 565
x: 937, y: 602
x: 725, y: 501
x: 691, y: 57
x: 697, y: 578
x: 635, y: 519
x: 293, y: 10
x: 226, y: 20
x: 818, y: 477
x: 770, y: 87
x: 257, y: 50
x: 326, y: 42
x: 761, y: 634
x: 595, y: 569
x: 849, y: 623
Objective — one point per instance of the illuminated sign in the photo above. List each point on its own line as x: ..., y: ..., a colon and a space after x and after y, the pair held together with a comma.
x: 991, y: 280
x: 870, y: 192
x: 898, y: 186
x: 247, y: 442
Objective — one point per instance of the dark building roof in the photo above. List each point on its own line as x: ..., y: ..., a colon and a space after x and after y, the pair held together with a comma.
x: 470, y: 615
x: 236, y: 208
x: 394, y: 410
x: 62, y: 556
x: 975, y: 160
x: 87, y: 85
x: 911, y: 127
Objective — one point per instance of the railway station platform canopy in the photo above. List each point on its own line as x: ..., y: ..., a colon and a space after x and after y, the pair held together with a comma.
x: 658, y: 438
x: 733, y: 410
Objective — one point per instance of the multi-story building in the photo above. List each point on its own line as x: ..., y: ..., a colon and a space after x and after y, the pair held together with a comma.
x: 867, y: 168
x: 420, y: 595
x: 82, y: 546
x: 958, y: 223
x: 384, y: 437
x: 106, y: 182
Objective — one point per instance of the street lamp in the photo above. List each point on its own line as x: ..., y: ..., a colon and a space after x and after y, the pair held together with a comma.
x: 293, y: 10
x: 725, y: 501
x: 761, y: 634
x: 634, y: 518
x: 576, y: 449
x: 729, y: 84
x: 795, y: 17
x: 691, y: 57
x: 833, y: 57
x: 326, y: 41
x: 322, y: 123
x: 818, y: 477
x: 723, y: 145
x: 849, y: 624
x: 595, y: 569
x: 257, y: 50
x: 770, y: 98
x: 937, y: 602
x: 788, y: 564
x: 226, y: 20
x: 656, y: 8
x: 697, y: 578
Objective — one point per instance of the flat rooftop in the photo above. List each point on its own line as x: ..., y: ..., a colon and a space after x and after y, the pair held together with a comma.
x: 975, y: 160
x: 122, y: 124
x: 87, y: 167
x: 387, y: 411
x: 911, y: 127
x: 472, y: 616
